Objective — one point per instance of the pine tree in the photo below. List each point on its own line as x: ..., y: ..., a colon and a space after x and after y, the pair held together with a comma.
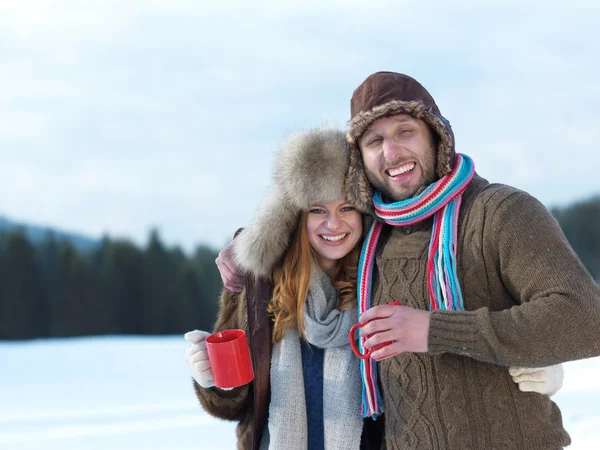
x: 23, y: 308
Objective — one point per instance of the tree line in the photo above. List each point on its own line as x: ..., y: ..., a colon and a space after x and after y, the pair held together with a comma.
x: 51, y: 289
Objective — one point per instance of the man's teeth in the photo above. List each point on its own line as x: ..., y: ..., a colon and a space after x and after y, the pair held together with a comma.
x: 402, y: 169
x: 339, y: 237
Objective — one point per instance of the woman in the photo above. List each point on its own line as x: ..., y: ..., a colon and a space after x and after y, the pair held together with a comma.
x: 305, y: 239
x: 302, y: 248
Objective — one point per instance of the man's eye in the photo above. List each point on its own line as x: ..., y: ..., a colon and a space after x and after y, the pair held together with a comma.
x: 374, y: 142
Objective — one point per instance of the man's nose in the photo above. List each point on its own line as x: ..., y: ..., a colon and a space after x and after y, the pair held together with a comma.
x: 390, y: 149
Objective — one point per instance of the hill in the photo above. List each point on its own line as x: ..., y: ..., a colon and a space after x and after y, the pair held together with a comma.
x: 37, y: 233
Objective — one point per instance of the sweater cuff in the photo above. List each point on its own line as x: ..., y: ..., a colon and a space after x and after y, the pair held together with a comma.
x: 453, y: 332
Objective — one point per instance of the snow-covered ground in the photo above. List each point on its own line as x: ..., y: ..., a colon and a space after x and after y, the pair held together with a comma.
x: 135, y: 393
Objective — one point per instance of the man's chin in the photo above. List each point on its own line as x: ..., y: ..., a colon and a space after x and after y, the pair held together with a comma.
x: 398, y: 196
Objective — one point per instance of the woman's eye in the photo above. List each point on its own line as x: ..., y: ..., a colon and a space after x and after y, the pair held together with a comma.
x: 347, y: 208
x: 316, y: 211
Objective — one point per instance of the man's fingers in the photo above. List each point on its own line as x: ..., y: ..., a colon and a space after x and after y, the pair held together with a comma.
x: 388, y: 351
x: 233, y: 277
x: 377, y: 312
x: 376, y: 326
x: 236, y: 288
x: 226, y: 273
x: 380, y: 338
x: 231, y: 280
x: 233, y: 287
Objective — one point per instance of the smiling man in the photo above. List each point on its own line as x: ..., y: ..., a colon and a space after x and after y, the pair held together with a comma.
x: 485, y: 277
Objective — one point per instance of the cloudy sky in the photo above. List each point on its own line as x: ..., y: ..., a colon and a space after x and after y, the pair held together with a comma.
x: 120, y: 115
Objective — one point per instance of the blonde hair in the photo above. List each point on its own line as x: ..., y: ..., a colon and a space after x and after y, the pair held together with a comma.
x: 291, y: 280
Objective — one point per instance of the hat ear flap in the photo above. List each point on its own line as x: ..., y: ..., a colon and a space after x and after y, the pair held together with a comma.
x: 358, y: 189
x: 264, y: 241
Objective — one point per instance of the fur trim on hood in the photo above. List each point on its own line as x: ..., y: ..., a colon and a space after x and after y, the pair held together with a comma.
x: 385, y: 94
x: 310, y: 168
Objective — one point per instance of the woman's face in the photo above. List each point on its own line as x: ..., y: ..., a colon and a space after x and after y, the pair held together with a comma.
x: 333, y: 229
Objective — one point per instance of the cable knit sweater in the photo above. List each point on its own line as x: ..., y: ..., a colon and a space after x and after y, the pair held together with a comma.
x: 528, y: 301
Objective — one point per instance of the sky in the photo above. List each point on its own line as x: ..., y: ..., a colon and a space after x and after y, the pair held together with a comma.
x: 129, y: 393
x: 120, y: 116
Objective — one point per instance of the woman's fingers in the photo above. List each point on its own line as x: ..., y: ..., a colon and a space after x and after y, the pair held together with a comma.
x: 196, y: 336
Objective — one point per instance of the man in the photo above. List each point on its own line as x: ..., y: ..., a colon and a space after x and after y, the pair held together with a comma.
x: 484, y: 274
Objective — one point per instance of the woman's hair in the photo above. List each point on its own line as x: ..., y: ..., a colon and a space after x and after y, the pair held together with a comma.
x: 291, y: 279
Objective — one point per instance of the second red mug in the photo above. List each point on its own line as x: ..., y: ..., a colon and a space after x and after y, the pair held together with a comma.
x: 368, y: 352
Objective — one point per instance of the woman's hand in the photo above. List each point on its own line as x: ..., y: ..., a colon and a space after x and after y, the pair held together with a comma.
x: 196, y: 358
x: 543, y: 380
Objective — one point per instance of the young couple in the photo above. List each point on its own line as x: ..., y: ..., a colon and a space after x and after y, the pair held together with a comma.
x: 481, y: 296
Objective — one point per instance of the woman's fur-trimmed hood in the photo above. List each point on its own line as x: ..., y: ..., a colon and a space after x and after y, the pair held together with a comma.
x: 385, y: 94
x: 310, y: 168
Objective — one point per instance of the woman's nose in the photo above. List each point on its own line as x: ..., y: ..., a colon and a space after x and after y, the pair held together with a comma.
x: 333, y: 221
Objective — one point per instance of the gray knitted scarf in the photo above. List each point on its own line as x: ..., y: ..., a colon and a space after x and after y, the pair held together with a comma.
x: 325, y: 327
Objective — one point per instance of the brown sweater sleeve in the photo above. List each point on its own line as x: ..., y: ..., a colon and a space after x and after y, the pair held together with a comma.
x: 228, y: 405
x: 556, y: 312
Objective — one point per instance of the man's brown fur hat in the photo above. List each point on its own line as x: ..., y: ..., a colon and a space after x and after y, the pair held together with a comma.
x: 385, y: 94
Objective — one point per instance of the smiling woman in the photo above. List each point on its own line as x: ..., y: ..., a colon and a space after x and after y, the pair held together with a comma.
x: 333, y: 230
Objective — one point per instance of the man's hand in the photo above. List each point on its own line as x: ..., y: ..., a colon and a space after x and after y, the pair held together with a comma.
x: 232, y: 277
x: 407, y: 328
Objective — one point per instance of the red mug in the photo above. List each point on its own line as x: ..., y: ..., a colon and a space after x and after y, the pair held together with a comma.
x: 229, y: 358
x: 368, y: 352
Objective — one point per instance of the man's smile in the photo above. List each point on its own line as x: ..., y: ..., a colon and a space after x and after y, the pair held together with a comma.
x: 399, y: 170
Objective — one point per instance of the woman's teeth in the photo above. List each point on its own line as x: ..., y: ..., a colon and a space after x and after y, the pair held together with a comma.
x: 339, y: 237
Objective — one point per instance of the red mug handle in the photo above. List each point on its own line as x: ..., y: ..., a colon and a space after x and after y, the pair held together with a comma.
x: 353, y: 345
x: 355, y: 349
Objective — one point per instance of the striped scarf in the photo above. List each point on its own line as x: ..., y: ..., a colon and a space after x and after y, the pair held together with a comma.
x: 442, y: 200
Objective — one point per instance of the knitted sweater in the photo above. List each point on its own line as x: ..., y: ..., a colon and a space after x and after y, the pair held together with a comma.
x: 529, y: 302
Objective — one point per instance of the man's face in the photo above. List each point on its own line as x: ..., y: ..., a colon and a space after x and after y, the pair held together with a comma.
x: 398, y: 156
